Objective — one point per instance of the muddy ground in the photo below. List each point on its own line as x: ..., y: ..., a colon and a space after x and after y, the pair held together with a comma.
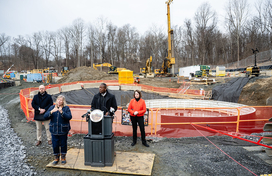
x: 183, y: 156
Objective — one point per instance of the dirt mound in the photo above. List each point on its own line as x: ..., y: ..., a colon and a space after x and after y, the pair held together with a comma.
x: 256, y: 92
x: 86, y: 74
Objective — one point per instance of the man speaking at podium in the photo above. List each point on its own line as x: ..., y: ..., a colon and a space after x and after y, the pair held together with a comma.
x: 104, y: 101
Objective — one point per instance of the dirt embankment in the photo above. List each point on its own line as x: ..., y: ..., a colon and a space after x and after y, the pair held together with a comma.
x: 86, y: 74
x: 256, y: 92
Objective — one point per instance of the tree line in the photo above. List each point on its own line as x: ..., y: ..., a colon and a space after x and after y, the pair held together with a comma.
x: 196, y: 41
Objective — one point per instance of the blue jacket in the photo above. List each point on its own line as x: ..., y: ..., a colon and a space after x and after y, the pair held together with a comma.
x: 60, y: 123
x: 41, y: 101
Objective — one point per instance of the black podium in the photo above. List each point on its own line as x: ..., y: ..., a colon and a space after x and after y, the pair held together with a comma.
x: 99, y: 142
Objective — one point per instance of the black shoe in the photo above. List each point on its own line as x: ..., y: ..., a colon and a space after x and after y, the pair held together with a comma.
x: 145, y: 144
x: 133, y: 143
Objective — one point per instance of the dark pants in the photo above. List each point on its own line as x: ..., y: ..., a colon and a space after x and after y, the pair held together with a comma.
x: 140, y: 121
x: 59, y: 141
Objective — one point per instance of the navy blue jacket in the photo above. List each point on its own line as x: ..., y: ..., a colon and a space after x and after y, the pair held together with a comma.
x: 41, y: 101
x: 60, y: 123
x: 104, y: 103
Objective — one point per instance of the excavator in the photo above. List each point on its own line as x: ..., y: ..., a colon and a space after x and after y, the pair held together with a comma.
x: 112, y: 69
x: 167, y: 68
x: 147, y: 70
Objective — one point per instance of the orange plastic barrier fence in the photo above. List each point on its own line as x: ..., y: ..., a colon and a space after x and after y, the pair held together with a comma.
x: 168, y: 122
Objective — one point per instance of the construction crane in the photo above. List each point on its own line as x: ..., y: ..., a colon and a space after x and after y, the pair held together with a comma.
x: 7, y: 74
x: 169, y: 61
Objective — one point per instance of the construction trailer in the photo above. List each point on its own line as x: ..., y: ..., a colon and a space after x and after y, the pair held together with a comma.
x: 188, y: 71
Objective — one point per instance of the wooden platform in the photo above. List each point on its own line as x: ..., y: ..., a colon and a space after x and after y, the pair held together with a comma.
x: 124, y: 163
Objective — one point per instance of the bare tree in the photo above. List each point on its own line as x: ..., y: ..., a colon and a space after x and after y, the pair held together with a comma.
x: 111, y: 37
x: 237, y: 14
x: 101, y: 25
x: 47, y: 46
x: 3, y: 39
x: 77, y: 31
x: 65, y: 34
x: 91, y: 42
x: 206, y: 21
x: 189, y: 42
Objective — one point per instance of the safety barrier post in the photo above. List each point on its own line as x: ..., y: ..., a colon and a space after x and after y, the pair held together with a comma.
x: 238, y: 119
x: 27, y: 113
x: 156, y: 121
x: 151, y: 130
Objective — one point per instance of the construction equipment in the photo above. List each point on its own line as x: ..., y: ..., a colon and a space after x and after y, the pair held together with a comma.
x: 147, y: 70
x: 7, y: 74
x: 204, y: 71
x: 253, y: 70
x: 50, y: 70
x: 112, y: 69
x: 64, y: 70
x: 167, y: 68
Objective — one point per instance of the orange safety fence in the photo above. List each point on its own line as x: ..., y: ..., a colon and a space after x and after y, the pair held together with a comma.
x: 171, y: 122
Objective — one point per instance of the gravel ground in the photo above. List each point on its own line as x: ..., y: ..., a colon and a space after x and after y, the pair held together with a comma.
x: 182, y: 156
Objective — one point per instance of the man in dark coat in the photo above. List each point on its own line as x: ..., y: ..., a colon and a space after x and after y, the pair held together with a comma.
x: 104, y: 101
x: 41, y: 102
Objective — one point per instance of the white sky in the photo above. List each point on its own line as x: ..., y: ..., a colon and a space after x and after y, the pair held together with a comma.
x: 24, y: 17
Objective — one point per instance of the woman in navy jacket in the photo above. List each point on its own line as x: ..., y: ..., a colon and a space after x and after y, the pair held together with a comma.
x: 59, y: 127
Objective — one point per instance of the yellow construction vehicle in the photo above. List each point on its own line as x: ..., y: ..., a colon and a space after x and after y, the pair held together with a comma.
x: 112, y: 69
x: 64, y: 70
x: 49, y: 70
x: 253, y: 70
x: 147, y: 70
x: 167, y: 68
x: 7, y: 73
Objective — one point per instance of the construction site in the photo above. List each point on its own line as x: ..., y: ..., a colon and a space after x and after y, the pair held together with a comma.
x: 201, y: 119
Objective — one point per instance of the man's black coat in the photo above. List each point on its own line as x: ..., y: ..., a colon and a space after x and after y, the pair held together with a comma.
x: 41, y: 101
x: 104, y: 103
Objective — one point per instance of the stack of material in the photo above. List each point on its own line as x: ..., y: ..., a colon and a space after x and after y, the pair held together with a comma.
x: 268, y: 133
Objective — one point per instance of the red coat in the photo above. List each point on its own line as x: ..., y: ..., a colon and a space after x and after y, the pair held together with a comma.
x: 137, y: 106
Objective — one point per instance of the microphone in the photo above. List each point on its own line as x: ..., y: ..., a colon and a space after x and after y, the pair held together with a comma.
x: 86, y: 114
x: 112, y: 110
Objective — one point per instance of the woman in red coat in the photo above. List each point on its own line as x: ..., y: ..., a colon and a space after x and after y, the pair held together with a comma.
x: 137, y: 108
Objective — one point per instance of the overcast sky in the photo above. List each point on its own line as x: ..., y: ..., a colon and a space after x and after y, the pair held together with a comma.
x: 24, y: 17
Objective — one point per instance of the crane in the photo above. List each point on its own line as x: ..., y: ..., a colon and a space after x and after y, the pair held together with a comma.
x: 169, y: 61
x: 7, y: 72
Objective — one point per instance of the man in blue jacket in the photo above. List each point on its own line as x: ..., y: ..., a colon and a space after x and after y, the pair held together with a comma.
x: 41, y: 102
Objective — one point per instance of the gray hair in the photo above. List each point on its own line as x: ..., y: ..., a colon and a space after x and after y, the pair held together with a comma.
x: 64, y: 100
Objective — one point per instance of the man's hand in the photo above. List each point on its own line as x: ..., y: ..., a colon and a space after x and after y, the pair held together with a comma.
x: 42, y: 111
x: 135, y: 113
x: 107, y: 113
